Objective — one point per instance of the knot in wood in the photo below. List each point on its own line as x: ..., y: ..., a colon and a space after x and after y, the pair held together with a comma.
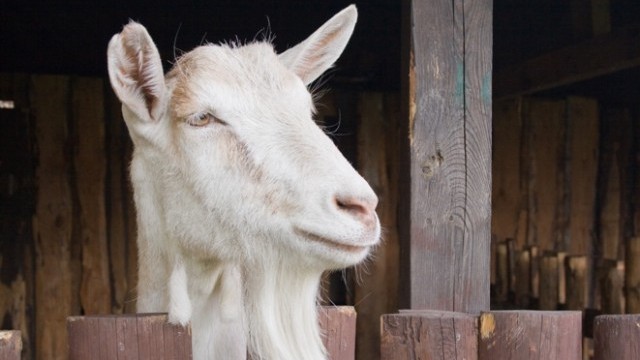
x: 430, y: 166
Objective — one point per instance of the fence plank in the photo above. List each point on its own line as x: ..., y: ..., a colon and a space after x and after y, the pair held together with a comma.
x: 10, y: 345
x: 549, y: 276
x: 127, y: 337
x: 415, y: 334
x: 89, y: 159
x: 338, y: 324
x: 150, y: 336
x: 616, y: 337
x: 632, y: 275
x: 52, y: 222
x: 523, y: 335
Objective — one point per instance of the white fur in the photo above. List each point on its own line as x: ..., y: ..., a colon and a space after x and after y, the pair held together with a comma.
x: 239, y: 215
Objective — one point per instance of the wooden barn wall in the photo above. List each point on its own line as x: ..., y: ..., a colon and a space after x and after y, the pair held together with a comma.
x: 565, y: 208
x: 67, y: 225
x: 67, y: 219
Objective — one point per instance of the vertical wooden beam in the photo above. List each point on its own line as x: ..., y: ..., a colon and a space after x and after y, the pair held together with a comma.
x: 545, y: 122
x: 52, y: 221
x: 377, y: 286
x: 549, y: 276
x: 417, y: 335
x: 10, y: 345
x: 446, y: 236
x: 549, y: 335
x: 506, y: 193
x: 89, y: 158
x: 616, y: 337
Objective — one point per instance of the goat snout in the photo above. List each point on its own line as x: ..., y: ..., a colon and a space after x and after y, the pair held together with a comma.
x: 363, y: 209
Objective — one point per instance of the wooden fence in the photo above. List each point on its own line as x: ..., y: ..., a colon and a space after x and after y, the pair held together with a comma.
x: 412, y: 334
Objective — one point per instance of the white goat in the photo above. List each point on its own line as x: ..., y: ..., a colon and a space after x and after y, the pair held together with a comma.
x: 242, y: 201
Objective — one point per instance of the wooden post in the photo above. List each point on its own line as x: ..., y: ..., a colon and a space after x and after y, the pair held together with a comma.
x: 445, y: 234
x: 549, y: 335
x: 10, y: 345
x: 414, y: 335
x: 523, y: 279
x: 549, y: 277
x: 338, y: 324
x: 577, y: 282
x: 616, y: 337
x: 612, y: 288
x: 502, y: 272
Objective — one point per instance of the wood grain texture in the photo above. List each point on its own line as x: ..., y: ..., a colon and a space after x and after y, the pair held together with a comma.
x: 612, y: 286
x: 10, y: 345
x: 606, y: 54
x: 577, y: 282
x: 447, y: 237
x: 338, y: 324
x: 89, y: 158
x: 523, y: 335
x: 130, y: 337
x: 439, y: 335
x: 546, y: 131
x: 507, y: 194
x: 616, y: 337
x: 583, y: 139
x: 52, y: 222
x: 549, y: 275
x: 377, y: 284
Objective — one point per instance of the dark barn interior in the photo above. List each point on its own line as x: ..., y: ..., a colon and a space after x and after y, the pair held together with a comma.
x: 566, y: 146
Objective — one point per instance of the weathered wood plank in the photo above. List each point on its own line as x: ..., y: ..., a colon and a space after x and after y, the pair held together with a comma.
x: 10, y: 345
x: 612, y: 287
x: 632, y: 275
x: 607, y: 54
x: 549, y: 277
x: 545, y: 121
x: 338, y: 324
x: 446, y: 234
x: 583, y: 134
x: 52, y: 221
x: 506, y: 169
x: 130, y: 337
x: 116, y: 178
x: 523, y: 279
x: 523, y: 335
x: 89, y: 158
x: 416, y: 335
x: 577, y: 282
x: 377, y: 286
x: 616, y: 337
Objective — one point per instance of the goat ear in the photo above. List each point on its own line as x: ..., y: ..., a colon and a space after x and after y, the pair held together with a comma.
x: 135, y: 72
x: 310, y: 58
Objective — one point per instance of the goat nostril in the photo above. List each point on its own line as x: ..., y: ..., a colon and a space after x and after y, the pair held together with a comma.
x: 354, y: 206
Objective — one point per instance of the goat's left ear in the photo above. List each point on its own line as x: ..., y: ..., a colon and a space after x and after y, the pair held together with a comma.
x: 310, y: 58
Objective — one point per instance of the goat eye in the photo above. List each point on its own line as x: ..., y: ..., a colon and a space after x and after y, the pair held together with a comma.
x: 204, y: 119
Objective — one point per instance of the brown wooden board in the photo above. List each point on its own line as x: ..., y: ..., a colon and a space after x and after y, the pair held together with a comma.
x: 127, y: 337
x: 506, y: 169
x: 377, y: 280
x: 52, y: 222
x: 546, y: 131
x: 632, y: 275
x: 616, y: 337
x: 605, y: 54
x: 577, y: 282
x: 414, y: 335
x: 447, y: 174
x: 89, y: 158
x: 523, y: 335
x: 338, y: 324
x: 583, y: 136
x: 10, y: 345
x: 549, y: 275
